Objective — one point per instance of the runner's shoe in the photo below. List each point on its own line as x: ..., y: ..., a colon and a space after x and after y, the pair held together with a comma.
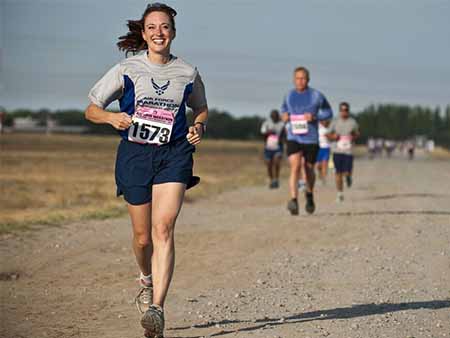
x: 274, y: 184
x: 349, y: 181
x: 293, y: 206
x: 310, y: 207
x: 301, y: 185
x: 145, y: 297
x: 153, y: 322
x: 340, y: 197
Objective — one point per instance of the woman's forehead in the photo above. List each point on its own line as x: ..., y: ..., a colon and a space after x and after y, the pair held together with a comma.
x: 157, y: 17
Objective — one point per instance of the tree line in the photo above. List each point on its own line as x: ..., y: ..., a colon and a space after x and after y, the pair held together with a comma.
x: 401, y: 122
x: 392, y: 121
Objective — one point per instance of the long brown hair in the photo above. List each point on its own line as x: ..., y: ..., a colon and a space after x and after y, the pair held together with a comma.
x: 132, y: 42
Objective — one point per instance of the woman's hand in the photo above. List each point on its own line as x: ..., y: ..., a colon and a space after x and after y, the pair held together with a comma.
x: 120, y: 121
x: 195, y: 134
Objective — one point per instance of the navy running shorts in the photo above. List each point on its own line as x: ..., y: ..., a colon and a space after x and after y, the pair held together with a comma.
x: 139, y: 166
x: 343, y: 163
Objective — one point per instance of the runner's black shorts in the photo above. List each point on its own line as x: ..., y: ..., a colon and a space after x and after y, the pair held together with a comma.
x: 139, y: 166
x: 309, y: 151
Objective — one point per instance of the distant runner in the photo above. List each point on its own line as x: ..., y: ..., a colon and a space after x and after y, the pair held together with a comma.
x: 379, y: 144
x: 302, y: 109
x: 344, y: 131
x: 371, y: 147
x: 410, y: 148
x: 273, y: 131
x: 324, y: 150
x: 390, y: 147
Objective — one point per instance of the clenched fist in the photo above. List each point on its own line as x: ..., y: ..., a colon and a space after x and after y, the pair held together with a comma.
x: 194, y: 135
x: 120, y: 121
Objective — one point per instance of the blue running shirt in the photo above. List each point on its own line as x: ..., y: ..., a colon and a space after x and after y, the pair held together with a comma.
x: 309, y: 101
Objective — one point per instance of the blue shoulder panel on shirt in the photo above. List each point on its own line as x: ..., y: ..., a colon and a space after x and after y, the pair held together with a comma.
x: 127, y: 101
x: 180, y: 123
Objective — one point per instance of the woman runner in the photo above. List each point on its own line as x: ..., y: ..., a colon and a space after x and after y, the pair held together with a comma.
x: 154, y: 159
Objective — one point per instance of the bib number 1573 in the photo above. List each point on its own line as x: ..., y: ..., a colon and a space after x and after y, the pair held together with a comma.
x: 150, y: 125
x: 149, y: 133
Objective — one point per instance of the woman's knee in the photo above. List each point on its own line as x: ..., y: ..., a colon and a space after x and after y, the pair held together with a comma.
x: 162, y: 232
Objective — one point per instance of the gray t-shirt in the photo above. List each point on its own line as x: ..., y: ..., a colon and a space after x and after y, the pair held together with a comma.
x: 138, y: 83
x: 273, y: 131
x: 344, y: 128
x: 276, y: 127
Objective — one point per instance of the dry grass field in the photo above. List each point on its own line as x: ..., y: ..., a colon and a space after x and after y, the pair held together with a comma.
x: 54, y: 179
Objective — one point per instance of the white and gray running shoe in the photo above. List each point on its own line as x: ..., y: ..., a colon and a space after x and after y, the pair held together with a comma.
x: 144, y: 298
x: 153, y: 322
x: 340, y: 198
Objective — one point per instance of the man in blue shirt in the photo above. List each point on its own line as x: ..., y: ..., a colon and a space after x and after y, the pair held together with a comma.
x: 303, y: 108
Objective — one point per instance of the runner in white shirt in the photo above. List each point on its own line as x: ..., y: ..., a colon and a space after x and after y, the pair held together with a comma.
x: 273, y: 131
x: 324, y: 150
x: 371, y: 147
x: 154, y: 159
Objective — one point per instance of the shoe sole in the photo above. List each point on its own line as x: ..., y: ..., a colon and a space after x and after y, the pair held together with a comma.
x: 152, y: 328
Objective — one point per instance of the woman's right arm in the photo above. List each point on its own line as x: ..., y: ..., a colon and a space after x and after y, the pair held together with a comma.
x: 95, y: 114
x: 105, y: 91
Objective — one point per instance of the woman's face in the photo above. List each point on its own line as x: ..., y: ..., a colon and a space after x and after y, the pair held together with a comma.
x: 158, y: 32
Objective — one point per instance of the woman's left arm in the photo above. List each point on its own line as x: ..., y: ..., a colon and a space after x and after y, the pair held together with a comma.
x: 197, y: 102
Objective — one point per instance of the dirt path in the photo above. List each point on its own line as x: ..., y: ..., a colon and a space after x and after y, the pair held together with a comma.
x: 377, y: 265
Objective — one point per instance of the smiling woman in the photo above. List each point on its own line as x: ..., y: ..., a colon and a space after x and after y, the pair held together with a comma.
x: 154, y: 159
x: 137, y: 38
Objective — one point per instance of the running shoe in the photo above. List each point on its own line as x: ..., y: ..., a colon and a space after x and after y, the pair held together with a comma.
x: 310, y: 207
x: 301, y: 185
x: 274, y: 184
x: 293, y: 206
x: 340, y: 198
x: 153, y: 322
x: 144, y: 298
x: 349, y: 181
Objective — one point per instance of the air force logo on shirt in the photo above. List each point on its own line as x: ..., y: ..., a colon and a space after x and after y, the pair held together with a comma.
x: 160, y: 89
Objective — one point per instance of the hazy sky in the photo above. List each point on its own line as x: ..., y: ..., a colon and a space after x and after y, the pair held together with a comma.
x: 362, y: 51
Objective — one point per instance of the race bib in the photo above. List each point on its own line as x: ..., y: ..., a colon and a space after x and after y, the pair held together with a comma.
x: 345, y: 142
x: 151, y: 125
x: 299, y: 124
x: 273, y: 142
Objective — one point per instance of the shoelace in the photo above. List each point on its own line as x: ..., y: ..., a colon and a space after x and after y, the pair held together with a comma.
x: 143, y: 297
